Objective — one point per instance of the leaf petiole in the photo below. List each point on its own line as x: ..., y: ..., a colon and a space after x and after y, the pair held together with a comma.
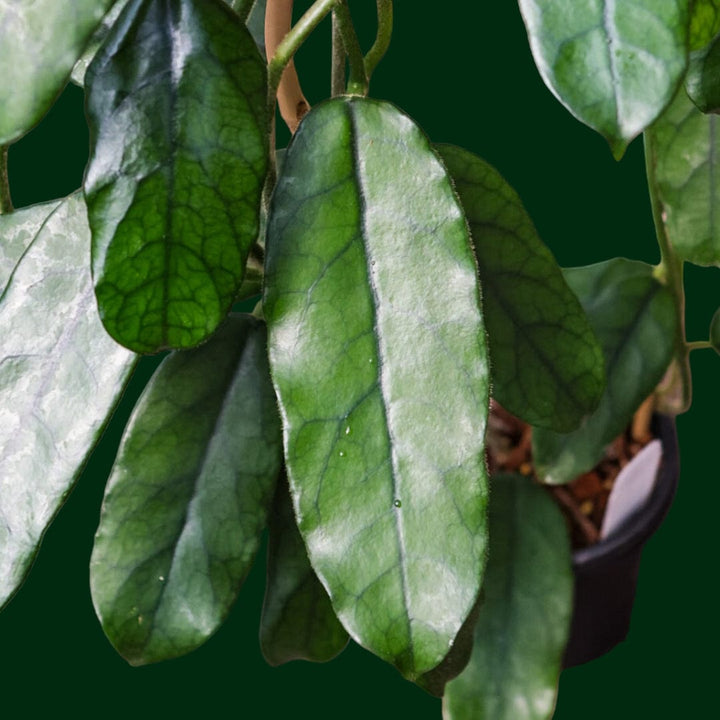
x: 292, y: 41
x: 382, y: 41
x: 358, y: 80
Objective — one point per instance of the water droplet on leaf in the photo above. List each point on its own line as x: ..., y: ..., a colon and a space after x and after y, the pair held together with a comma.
x: 397, y: 503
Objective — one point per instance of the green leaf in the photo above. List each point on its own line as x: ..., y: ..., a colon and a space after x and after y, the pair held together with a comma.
x: 97, y: 39
x: 546, y: 364
x: 614, y: 64
x: 188, y: 496
x: 256, y: 24
x: 17, y: 231
x: 715, y: 331
x: 702, y: 82
x: 683, y: 150
x: 634, y: 318
x: 60, y: 378
x: 240, y: 6
x: 524, y: 622
x: 383, y: 388
x: 298, y: 622
x: 704, y: 22
x: 39, y: 44
x: 177, y: 108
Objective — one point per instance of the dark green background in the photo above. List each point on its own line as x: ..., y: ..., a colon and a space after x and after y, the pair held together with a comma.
x: 464, y: 72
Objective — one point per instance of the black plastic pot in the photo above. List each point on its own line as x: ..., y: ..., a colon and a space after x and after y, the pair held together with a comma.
x: 606, y: 573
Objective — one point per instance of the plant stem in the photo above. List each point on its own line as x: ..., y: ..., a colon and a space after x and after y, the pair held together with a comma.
x: 358, y: 81
x: 281, y: 43
x: 699, y: 345
x: 292, y: 41
x: 382, y: 41
x: 675, y: 391
x: 337, y: 67
x: 6, y: 205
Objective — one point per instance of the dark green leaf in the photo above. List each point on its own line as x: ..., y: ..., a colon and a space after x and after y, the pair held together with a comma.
x: 102, y: 31
x: 97, y: 39
x: 703, y: 78
x: 704, y: 22
x: 634, y: 318
x: 60, y: 377
x: 298, y: 622
x: 382, y: 377
x: 682, y: 151
x: 40, y: 40
x: 256, y: 24
x: 188, y: 496
x: 17, y: 231
x: 241, y: 7
x: 546, y: 364
x: 715, y: 331
x: 176, y: 102
x: 615, y: 64
x: 524, y: 622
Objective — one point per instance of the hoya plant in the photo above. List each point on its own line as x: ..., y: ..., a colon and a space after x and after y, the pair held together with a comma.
x: 335, y: 302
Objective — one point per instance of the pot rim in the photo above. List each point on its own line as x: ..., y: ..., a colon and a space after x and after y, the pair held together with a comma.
x: 639, y: 527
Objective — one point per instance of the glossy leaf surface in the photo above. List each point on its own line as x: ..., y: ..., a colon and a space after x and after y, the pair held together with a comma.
x: 60, y: 378
x: 176, y: 102
x: 615, y: 64
x: 382, y: 377
x: 17, y: 230
x: 102, y: 31
x: 188, y: 496
x: 546, y: 364
x: 704, y: 22
x: 633, y: 316
x: 298, y: 622
x: 39, y: 44
x: 703, y: 78
x: 683, y: 151
x: 524, y: 620
x: 97, y: 39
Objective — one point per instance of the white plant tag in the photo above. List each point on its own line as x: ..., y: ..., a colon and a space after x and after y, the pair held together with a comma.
x: 632, y: 487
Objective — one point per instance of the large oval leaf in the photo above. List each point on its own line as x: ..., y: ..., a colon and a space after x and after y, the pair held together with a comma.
x: 17, y: 231
x: 615, y: 64
x: 298, y: 622
x: 188, y: 496
x: 546, y: 364
x: 382, y: 377
x: 683, y: 151
x: 60, y: 378
x: 524, y: 620
x: 176, y: 103
x: 39, y: 44
x: 634, y: 318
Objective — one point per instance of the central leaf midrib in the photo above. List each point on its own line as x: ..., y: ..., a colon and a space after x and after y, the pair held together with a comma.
x: 375, y: 301
x: 608, y: 20
x: 227, y: 396
x: 172, y: 140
